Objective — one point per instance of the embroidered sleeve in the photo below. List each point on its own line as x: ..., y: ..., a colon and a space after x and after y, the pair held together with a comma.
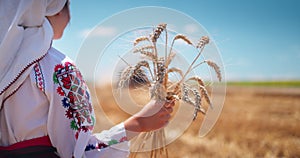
x: 75, y: 97
x: 77, y: 117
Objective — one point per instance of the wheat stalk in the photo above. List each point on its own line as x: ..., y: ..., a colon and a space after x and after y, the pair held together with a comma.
x: 166, y: 46
x: 170, y: 57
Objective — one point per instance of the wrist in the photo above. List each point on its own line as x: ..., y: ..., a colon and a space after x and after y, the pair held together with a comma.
x: 133, y: 126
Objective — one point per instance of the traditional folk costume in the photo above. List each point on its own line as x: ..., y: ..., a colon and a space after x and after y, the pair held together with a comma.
x: 45, y: 106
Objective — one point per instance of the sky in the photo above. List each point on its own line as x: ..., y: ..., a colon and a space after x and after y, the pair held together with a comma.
x: 257, y: 40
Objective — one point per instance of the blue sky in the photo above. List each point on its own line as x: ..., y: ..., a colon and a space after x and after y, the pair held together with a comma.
x: 258, y: 39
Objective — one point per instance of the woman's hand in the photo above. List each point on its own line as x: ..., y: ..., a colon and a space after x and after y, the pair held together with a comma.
x: 154, y: 115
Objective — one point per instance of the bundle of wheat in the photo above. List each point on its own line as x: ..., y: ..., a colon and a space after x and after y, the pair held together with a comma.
x: 161, y: 88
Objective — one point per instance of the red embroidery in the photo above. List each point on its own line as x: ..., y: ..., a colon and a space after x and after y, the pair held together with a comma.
x: 76, y: 99
x: 39, y: 77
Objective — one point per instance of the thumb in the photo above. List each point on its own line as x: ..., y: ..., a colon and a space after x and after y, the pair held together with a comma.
x: 151, y: 108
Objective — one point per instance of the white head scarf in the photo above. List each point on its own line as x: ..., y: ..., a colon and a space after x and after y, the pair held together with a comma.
x: 25, y: 37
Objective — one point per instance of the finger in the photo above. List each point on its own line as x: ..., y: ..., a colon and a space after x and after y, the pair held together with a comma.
x: 170, y: 104
x: 163, y: 111
x: 166, y: 117
x: 166, y: 110
x: 169, y: 109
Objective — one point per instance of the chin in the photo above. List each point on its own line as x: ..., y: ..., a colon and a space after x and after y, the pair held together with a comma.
x: 56, y: 37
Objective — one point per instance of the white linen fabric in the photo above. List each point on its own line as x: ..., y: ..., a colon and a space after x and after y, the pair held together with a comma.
x: 54, y: 100
x: 25, y: 37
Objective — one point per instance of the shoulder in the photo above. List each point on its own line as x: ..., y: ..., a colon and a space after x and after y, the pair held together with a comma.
x: 50, y: 69
x: 56, y: 62
x: 55, y: 57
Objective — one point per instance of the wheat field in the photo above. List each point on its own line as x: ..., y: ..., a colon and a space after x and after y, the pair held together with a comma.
x: 255, y: 122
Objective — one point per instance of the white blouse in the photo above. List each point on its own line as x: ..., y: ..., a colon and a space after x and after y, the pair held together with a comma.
x: 54, y: 100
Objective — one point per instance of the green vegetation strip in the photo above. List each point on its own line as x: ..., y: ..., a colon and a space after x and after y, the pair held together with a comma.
x: 266, y: 83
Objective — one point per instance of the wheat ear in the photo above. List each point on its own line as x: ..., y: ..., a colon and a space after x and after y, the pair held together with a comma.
x: 140, y: 39
x: 202, y: 88
x: 184, y: 38
x: 204, y: 40
x: 125, y: 76
x: 146, y: 65
x: 148, y: 55
x: 216, y: 68
x: 197, y: 104
x: 204, y: 93
x: 197, y: 79
x: 161, y: 72
x: 177, y: 70
x: 156, y: 34
x: 148, y: 51
x: 143, y: 48
x: 159, y: 29
x: 185, y: 95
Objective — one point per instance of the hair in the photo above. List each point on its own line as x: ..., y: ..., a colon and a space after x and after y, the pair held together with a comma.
x: 67, y: 5
x: 67, y: 8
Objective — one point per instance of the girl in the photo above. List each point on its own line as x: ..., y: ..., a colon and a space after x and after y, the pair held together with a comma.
x: 45, y: 104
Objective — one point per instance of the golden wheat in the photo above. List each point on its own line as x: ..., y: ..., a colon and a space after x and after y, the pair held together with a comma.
x: 175, y: 69
x: 125, y: 76
x: 197, y: 104
x: 184, y: 38
x: 160, y: 87
x: 170, y: 57
x: 140, y: 39
x: 204, y: 40
x: 144, y: 48
x: 159, y: 29
x: 204, y: 93
x: 215, y: 67
x: 197, y: 79
x: 148, y: 55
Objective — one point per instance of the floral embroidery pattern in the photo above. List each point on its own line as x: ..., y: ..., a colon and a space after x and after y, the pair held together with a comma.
x: 39, y: 77
x: 103, y: 145
x: 76, y: 98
